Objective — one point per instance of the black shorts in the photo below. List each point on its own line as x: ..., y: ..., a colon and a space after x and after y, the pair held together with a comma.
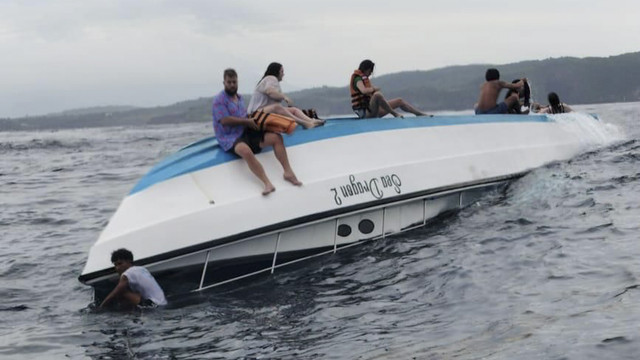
x: 360, y: 113
x: 252, y: 138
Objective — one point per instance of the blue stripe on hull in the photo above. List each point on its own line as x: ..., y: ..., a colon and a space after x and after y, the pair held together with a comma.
x: 206, y: 152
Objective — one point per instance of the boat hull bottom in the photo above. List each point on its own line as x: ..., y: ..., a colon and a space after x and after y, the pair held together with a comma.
x: 266, y: 254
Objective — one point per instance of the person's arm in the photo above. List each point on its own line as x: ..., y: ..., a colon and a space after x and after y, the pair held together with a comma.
x: 545, y: 110
x: 567, y: 108
x: 234, y: 120
x: 535, y: 107
x: 269, y: 86
x: 277, y: 95
x: 511, y: 86
x: 366, y: 90
x: 221, y: 112
x: 122, y: 286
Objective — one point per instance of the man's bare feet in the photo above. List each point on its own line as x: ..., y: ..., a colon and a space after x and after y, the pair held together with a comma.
x: 397, y: 114
x: 268, y: 189
x: 292, y: 179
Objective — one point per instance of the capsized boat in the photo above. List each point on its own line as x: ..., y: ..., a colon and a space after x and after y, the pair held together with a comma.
x: 198, y: 218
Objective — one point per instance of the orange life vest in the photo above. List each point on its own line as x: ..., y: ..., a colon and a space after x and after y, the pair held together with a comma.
x: 358, y: 99
x: 273, y: 122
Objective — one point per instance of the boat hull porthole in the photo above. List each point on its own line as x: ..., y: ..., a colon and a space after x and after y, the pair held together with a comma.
x: 344, y: 230
x: 366, y: 226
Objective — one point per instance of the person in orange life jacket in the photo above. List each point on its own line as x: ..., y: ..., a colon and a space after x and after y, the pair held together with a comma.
x: 368, y: 102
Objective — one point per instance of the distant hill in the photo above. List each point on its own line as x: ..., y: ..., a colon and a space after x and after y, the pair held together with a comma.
x: 96, y: 110
x: 185, y: 111
x: 576, y: 80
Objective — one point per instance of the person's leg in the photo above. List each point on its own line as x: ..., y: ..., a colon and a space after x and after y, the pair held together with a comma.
x: 512, y: 101
x: 129, y: 300
x: 275, y: 140
x: 300, y: 114
x: 281, y: 110
x: 131, y: 297
x: 405, y: 106
x: 379, y: 107
x: 243, y: 150
x: 360, y: 113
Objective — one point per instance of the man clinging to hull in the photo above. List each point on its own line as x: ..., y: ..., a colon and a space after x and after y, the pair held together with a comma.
x: 136, y: 286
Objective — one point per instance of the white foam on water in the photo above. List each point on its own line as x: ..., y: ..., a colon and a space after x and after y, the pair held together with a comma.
x: 589, y: 128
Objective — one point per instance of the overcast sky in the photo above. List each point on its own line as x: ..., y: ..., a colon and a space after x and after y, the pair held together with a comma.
x: 65, y: 54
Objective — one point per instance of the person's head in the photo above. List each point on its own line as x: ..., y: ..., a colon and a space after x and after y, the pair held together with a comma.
x: 274, y: 69
x: 122, y: 259
x: 554, y: 100
x: 366, y: 66
x: 230, y: 81
x: 492, y: 74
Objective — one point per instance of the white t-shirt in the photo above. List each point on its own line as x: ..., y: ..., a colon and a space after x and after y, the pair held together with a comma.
x: 260, y: 99
x: 142, y: 282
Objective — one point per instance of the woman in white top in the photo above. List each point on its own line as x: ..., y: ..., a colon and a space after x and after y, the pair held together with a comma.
x: 268, y: 96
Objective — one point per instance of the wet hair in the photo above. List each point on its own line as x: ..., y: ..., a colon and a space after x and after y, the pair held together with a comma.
x: 554, y: 102
x: 273, y: 69
x: 230, y: 73
x: 492, y: 74
x: 366, y: 65
x: 121, y: 254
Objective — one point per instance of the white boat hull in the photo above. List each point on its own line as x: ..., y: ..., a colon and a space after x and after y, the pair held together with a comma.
x: 392, y: 176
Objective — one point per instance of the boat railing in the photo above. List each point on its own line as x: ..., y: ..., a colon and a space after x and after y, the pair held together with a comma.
x: 334, y: 249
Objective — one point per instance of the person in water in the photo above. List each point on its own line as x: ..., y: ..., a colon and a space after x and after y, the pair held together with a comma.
x: 555, y: 106
x: 368, y: 102
x: 238, y: 133
x: 487, y: 102
x: 136, y: 286
x: 269, y: 93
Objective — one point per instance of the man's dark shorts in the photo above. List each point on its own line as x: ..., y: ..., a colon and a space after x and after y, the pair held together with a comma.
x: 501, y: 108
x: 252, y: 138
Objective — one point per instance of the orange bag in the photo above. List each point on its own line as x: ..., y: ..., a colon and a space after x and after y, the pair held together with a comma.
x: 273, y: 122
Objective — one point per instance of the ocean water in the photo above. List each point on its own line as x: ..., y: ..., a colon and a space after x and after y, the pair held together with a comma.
x: 548, y: 269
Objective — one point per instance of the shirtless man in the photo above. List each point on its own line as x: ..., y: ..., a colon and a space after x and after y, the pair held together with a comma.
x: 487, y: 103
